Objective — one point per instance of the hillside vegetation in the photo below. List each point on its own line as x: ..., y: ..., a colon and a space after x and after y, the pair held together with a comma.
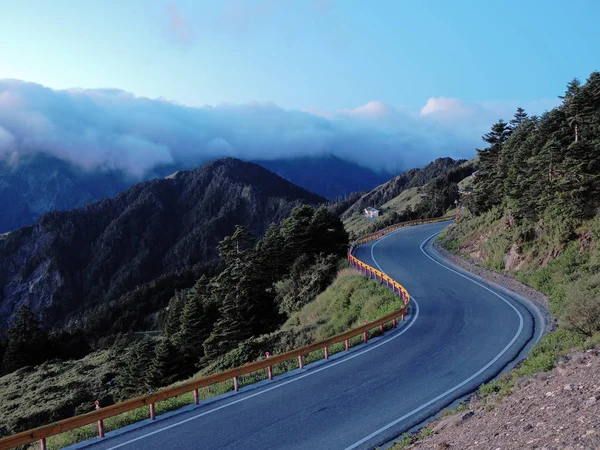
x: 534, y: 208
x: 434, y: 198
x: 109, y: 266
x: 216, y: 324
x: 394, y: 187
x: 71, y: 387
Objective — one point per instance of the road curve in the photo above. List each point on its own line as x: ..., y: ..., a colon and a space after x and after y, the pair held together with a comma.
x: 460, y: 333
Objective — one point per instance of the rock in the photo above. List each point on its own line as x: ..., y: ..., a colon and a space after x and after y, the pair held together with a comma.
x: 451, y: 421
x: 527, y: 427
x: 542, y: 376
x: 568, y: 387
x: 590, y: 402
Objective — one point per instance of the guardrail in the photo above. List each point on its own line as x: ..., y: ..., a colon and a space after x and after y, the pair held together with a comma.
x: 42, y: 433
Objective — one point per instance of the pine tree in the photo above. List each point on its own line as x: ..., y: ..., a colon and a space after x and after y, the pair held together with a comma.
x: 165, y: 367
x: 199, y: 314
x: 136, y: 366
x: 491, y: 174
x: 27, y: 343
x: 518, y: 118
x: 172, y: 324
x: 327, y: 234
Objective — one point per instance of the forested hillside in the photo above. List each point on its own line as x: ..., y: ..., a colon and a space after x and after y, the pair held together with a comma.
x: 108, y: 265
x: 534, y: 208
x: 411, y: 178
x: 222, y: 320
x: 416, y: 194
x: 38, y: 183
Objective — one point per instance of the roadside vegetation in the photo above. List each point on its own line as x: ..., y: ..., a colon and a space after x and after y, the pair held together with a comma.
x: 532, y: 211
x: 345, y: 304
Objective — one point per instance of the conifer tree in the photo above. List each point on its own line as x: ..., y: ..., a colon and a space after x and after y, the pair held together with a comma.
x: 172, y: 324
x: 166, y: 367
x: 27, y: 343
x: 136, y: 366
x: 199, y: 314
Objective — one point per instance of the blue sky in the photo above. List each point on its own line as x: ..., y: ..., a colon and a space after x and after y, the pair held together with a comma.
x: 387, y: 84
x: 304, y: 54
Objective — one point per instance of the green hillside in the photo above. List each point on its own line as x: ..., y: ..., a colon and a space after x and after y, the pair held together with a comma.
x: 534, y: 212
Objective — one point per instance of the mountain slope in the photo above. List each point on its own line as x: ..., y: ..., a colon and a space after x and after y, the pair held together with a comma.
x: 326, y: 175
x: 71, y: 261
x: 39, y: 183
x: 412, y: 178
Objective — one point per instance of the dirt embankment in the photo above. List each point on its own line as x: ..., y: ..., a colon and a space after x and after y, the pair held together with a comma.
x: 553, y: 410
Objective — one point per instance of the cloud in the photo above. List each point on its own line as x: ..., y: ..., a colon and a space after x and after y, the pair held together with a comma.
x: 178, y: 27
x: 98, y: 129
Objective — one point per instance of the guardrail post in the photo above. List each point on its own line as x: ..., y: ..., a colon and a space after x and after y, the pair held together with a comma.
x: 101, y: 428
x: 365, y: 335
x: 394, y: 323
x: 152, y: 413
x: 43, y: 444
x: 326, y: 353
x: 196, y: 397
x: 269, y: 369
x: 402, y: 317
x: 236, y: 386
x: 300, y: 362
x: 381, y: 328
x: 347, y: 345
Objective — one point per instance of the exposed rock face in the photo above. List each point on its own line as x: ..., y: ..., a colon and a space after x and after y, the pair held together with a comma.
x: 513, y: 259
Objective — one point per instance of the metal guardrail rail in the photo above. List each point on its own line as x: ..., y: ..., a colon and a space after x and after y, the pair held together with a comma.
x: 42, y: 433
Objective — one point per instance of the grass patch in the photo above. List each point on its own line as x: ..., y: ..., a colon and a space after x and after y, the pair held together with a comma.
x: 53, y: 390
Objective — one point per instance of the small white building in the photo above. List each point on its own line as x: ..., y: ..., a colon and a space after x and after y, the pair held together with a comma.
x: 371, y: 212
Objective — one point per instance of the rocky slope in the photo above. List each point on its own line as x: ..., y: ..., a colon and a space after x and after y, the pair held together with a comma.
x: 559, y: 409
x: 71, y: 262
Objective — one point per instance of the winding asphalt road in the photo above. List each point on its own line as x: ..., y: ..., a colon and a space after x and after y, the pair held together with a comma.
x: 460, y: 333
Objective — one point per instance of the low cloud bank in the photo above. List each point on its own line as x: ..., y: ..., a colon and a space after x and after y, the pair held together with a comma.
x: 113, y: 129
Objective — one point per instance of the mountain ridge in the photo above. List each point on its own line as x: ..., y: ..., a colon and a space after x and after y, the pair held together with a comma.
x: 71, y: 260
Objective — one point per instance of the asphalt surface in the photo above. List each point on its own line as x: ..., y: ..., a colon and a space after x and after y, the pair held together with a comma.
x: 460, y: 333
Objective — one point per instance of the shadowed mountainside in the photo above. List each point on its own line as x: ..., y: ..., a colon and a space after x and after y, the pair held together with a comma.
x: 156, y: 231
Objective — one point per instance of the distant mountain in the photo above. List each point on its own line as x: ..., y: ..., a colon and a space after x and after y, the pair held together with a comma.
x: 326, y: 175
x: 73, y: 261
x: 392, y: 188
x: 40, y: 183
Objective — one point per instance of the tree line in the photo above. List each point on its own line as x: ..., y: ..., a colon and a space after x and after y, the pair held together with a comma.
x: 261, y: 283
x: 545, y: 167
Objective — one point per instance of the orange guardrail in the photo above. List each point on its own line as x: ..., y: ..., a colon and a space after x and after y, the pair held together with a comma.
x: 42, y: 433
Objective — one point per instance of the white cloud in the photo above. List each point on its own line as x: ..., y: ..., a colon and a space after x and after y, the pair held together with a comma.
x: 111, y: 128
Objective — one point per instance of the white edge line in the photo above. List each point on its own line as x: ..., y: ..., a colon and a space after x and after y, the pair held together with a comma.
x: 458, y: 386
x: 293, y: 380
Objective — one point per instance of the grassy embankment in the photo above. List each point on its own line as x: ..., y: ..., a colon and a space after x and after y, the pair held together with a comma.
x: 348, y: 301
x: 567, y: 272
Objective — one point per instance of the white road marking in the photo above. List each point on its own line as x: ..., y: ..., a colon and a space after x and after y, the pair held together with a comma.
x: 293, y: 380
x: 458, y: 386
